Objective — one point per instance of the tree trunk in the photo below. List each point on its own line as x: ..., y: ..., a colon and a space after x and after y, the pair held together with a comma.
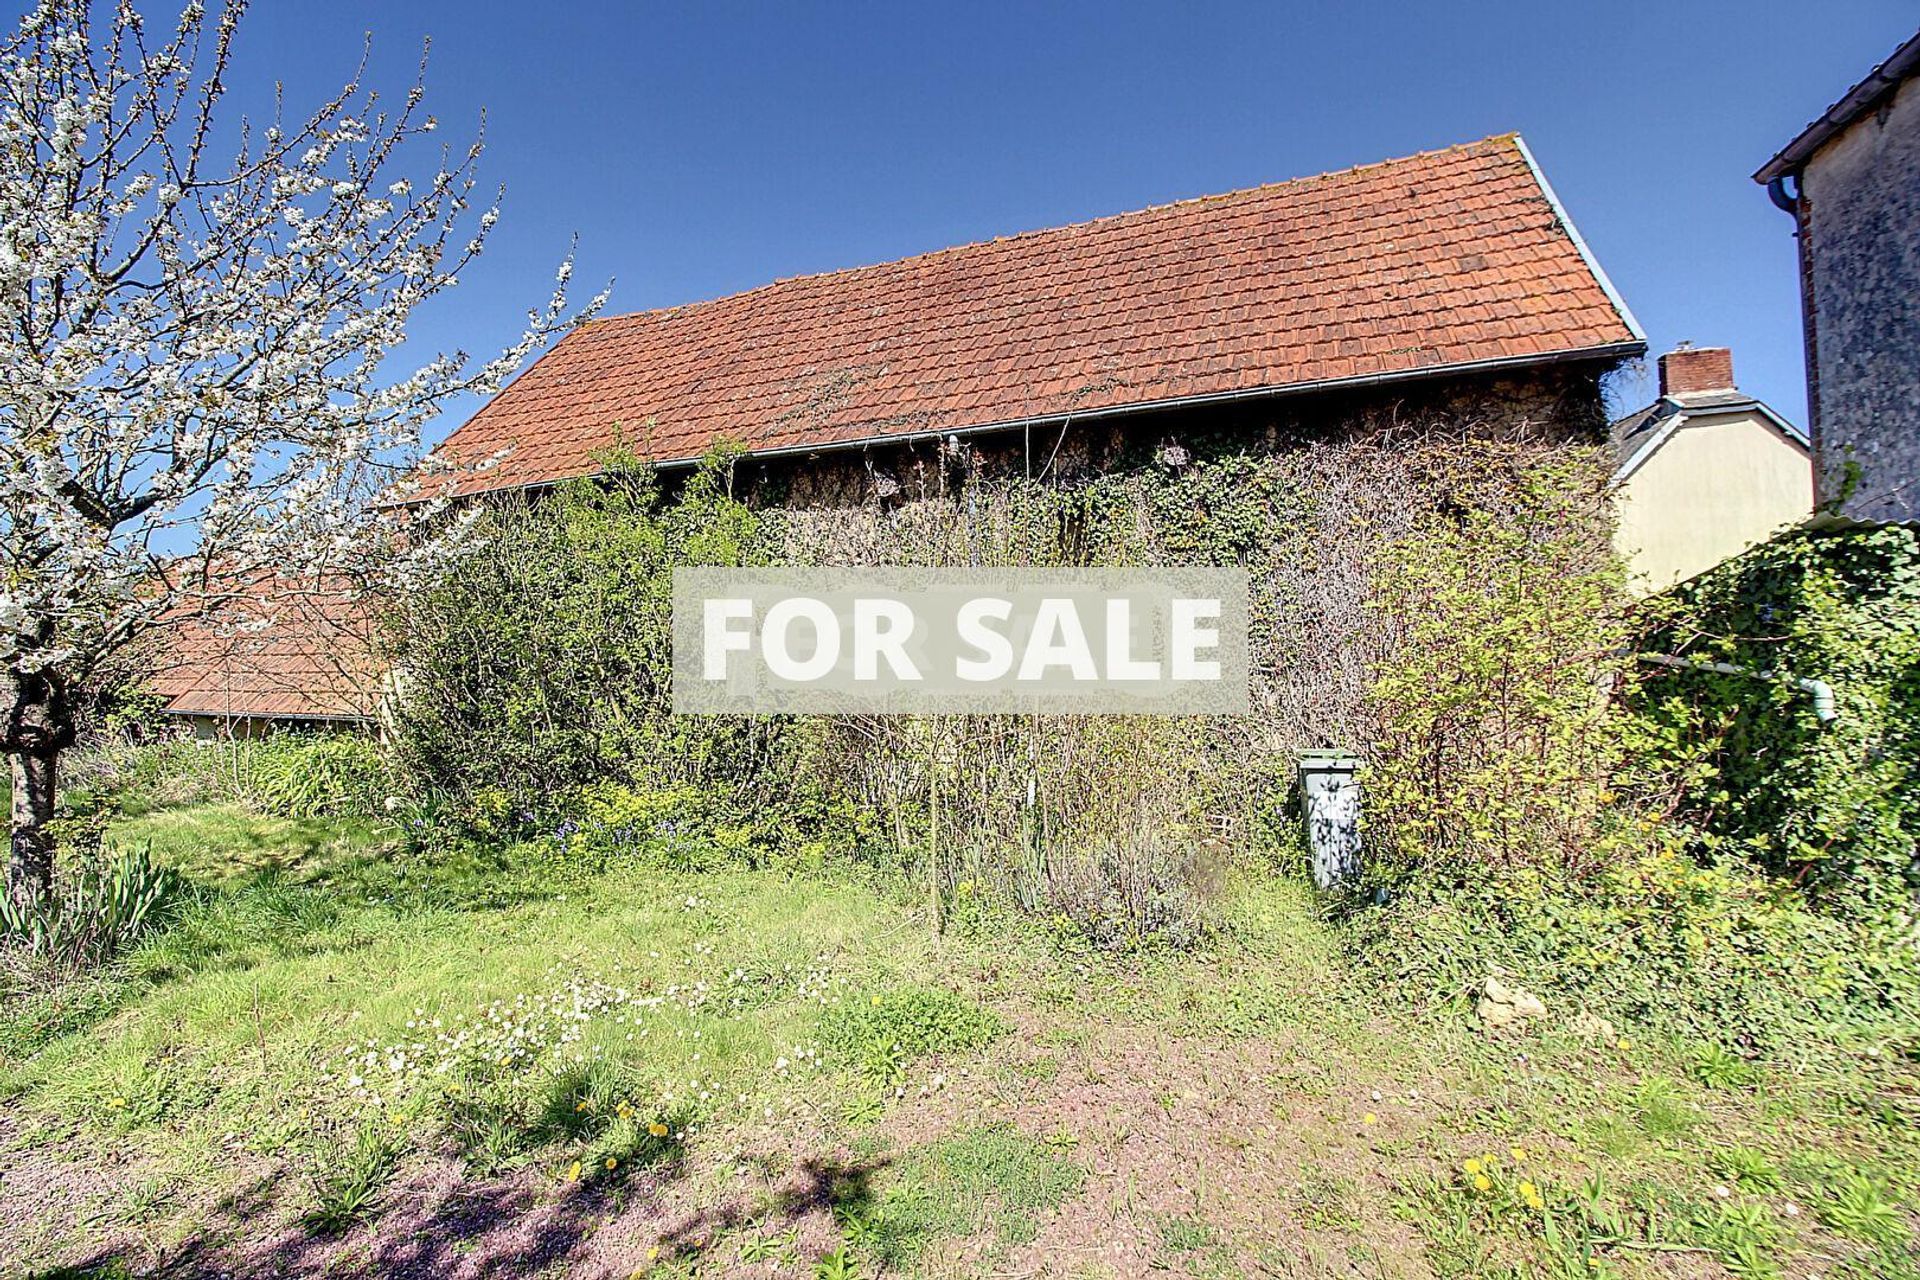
x: 30, y: 868
x: 38, y: 727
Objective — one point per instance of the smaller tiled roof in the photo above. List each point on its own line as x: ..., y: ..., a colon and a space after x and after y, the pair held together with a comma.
x: 1451, y: 260
x: 1880, y: 83
x: 272, y: 650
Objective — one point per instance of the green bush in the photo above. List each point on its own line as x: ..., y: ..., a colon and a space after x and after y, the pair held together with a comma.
x: 1832, y: 809
x: 1712, y: 952
x: 1496, y: 740
x: 296, y: 777
x: 537, y: 705
x: 538, y: 655
x: 94, y: 913
x: 689, y: 829
x: 1702, y: 854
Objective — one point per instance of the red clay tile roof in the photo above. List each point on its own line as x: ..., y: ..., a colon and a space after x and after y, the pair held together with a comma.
x: 275, y: 651
x: 1453, y: 257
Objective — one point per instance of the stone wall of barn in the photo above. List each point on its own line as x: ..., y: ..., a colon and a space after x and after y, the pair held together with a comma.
x: 1305, y: 492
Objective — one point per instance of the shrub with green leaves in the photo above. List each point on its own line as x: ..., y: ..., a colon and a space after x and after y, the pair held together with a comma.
x: 1496, y: 740
x: 1699, y: 852
x: 538, y: 655
x: 1832, y: 809
x: 96, y: 911
x: 1712, y: 952
x: 688, y: 828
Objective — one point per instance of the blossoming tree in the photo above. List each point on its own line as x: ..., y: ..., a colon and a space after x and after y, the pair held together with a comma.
x: 196, y: 315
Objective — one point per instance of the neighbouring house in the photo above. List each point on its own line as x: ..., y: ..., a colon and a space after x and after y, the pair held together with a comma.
x: 1851, y: 180
x: 271, y: 655
x: 1706, y: 471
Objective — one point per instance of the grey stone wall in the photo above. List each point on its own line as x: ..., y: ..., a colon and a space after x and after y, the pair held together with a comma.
x: 1861, y: 227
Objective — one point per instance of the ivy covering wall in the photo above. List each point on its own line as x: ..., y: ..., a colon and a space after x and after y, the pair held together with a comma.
x: 1833, y: 809
x: 1749, y: 878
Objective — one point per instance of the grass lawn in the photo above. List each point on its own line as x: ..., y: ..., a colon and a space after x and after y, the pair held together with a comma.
x: 341, y: 1064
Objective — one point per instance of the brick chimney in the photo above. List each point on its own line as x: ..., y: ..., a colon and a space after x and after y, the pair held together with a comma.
x: 1690, y: 368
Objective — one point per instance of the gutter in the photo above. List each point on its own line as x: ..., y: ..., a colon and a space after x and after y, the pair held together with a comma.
x: 1824, y: 705
x: 304, y: 717
x: 1787, y: 202
x: 1607, y: 351
x: 1862, y: 98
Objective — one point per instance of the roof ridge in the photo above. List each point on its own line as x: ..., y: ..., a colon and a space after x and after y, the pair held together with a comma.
x: 679, y: 308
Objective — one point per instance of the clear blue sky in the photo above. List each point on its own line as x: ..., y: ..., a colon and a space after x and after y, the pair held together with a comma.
x: 702, y: 148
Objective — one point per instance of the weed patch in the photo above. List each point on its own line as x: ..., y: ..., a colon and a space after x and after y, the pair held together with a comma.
x: 884, y: 1032
x: 993, y: 1179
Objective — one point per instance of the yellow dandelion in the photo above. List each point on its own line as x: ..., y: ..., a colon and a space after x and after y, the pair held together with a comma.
x: 657, y: 1129
x: 1473, y: 1167
x: 1625, y: 1043
x: 1369, y: 1118
x: 1518, y: 1153
x: 1481, y: 1182
x: 580, y: 1105
x: 116, y: 1102
x: 573, y: 1174
x: 611, y: 1162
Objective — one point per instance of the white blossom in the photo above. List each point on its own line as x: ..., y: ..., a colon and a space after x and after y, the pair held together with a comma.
x: 195, y: 375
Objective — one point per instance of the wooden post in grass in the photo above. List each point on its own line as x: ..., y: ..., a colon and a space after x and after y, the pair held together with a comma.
x: 934, y: 760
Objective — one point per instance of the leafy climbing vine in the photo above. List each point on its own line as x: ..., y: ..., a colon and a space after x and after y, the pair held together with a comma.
x: 1832, y: 808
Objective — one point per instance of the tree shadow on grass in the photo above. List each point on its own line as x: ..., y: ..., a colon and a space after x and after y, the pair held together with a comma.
x: 815, y: 1186
x: 440, y: 1229
x: 473, y: 1231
